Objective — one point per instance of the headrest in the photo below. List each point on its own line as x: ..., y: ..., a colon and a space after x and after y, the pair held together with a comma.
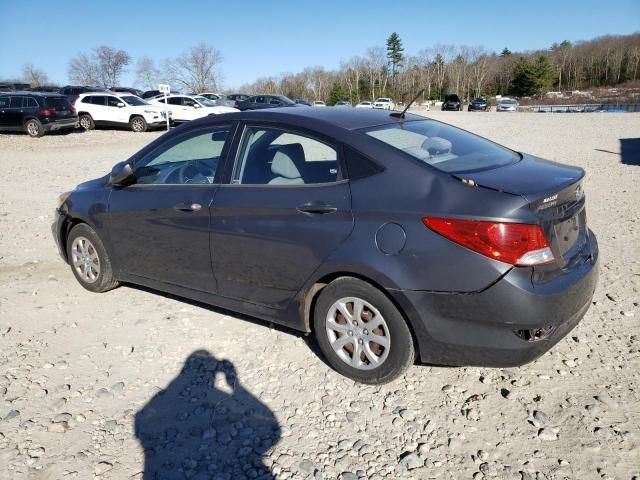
x: 283, y: 166
x: 436, y: 145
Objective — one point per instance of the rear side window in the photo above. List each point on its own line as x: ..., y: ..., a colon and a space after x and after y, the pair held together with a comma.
x: 16, y: 102
x: 272, y: 156
x: 442, y: 146
x: 31, y: 103
x: 58, y: 103
x: 4, y: 102
x: 98, y: 100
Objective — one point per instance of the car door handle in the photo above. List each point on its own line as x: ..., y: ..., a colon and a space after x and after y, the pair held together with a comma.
x: 187, y: 207
x: 316, y: 208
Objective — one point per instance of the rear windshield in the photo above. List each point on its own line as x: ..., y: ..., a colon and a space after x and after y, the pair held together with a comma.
x: 59, y: 103
x: 442, y: 146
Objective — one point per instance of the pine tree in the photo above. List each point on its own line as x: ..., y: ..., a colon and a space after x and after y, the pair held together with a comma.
x: 394, y: 53
x: 532, y: 77
x: 505, y: 52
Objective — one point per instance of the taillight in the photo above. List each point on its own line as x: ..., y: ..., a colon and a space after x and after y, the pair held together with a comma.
x: 47, y: 112
x: 514, y: 243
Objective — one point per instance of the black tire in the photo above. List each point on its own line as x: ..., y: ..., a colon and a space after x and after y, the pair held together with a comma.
x: 138, y: 124
x: 34, y: 128
x: 104, y: 279
x: 86, y: 121
x: 401, y: 350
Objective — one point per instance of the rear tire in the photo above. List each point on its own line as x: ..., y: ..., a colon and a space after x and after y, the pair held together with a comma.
x: 86, y: 122
x: 138, y: 124
x: 88, y: 259
x: 361, y: 333
x: 34, y: 128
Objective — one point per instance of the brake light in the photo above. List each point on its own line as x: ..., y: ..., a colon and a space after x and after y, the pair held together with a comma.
x: 47, y: 112
x: 514, y: 243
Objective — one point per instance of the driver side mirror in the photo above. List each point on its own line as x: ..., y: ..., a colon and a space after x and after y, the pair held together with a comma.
x: 121, y: 105
x: 196, y: 105
x: 121, y: 174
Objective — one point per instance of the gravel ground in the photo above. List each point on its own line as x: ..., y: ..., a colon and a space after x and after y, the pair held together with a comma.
x: 127, y: 383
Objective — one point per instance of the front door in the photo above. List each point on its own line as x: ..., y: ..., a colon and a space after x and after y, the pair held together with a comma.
x: 284, y: 211
x: 5, y: 102
x: 159, y: 226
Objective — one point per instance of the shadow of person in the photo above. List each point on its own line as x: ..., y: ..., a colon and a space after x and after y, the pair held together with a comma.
x: 199, y: 430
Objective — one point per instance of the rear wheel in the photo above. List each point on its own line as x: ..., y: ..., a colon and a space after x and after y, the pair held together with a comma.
x: 138, y: 124
x: 88, y: 259
x: 86, y: 122
x: 34, y: 128
x: 361, y: 333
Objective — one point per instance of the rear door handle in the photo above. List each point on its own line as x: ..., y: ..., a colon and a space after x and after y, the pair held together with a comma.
x: 316, y: 208
x: 187, y: 207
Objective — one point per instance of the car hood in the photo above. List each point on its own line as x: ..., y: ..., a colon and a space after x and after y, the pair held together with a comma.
x: 95, y: 183
x: 530, y: 177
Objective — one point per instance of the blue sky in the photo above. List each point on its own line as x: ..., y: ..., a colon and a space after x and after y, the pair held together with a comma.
x: 259, y: 38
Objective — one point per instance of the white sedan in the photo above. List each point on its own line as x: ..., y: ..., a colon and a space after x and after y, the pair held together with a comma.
x: 365, y: 104
x: 190, y: 107
x: 319, y: 103
x: 384, y: 103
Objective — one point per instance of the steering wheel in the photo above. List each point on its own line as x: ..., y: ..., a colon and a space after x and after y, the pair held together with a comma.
x: 187, y: 172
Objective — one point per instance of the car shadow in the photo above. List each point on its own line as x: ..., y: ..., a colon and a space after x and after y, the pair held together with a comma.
x: 205, y: 424
x: 630, y: 151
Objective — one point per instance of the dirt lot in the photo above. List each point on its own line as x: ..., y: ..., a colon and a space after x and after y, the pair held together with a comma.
x: 117, y: 384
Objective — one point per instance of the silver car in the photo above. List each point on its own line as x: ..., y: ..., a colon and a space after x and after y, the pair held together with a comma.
x: 507, y: 105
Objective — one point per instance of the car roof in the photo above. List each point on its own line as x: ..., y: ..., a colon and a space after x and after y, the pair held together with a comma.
x: 344, y: 119
x: 37, y: 94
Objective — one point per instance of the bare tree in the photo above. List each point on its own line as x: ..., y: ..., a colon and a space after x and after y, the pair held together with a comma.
x: 147, y: 74
x: 33, y: 75
x: 83, y: 70
x: 197, y: 70
x: 111, y: 64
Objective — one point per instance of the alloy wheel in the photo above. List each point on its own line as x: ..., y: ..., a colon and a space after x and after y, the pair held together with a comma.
x: 137, y: 125
x: 85, y: 259
x: 358, y: 333
x: 33, y: 129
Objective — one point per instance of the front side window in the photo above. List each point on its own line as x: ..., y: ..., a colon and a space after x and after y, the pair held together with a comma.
x: 98, y: 100
x: 190, y: 159
x: 174, y: 101
x: 271, y: 156
x: 260, y: 100
x: 205, y: 101
x: 442, y: 146
x: 188, y: 102
x: 31, y: 103
x: 113, y: 101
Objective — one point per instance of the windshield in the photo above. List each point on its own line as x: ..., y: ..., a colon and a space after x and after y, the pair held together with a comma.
x: 508, y: 101
x: 382, y: 100
x: 133, y: 100
x: 445, y: 147
x: 285, y: 100
x: 205, y: 101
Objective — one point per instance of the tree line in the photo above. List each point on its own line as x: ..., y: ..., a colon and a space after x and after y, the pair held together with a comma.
x: 467, y: 71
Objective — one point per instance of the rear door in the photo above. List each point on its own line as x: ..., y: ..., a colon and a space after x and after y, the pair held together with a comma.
x: 284, y: 210
x: 158, y: 228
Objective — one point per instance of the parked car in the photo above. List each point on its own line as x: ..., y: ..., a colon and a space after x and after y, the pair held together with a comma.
x: 318, y: 103
x: 452, y: 102
x: 259, y: 102
x: 301, y: 101
x: 343, y: 103
x: 14, y: 87
x: 45, y: 88
x: 119, y: 110
x: 219, y: 99
x: 365, y: 104
x: 491, y: 265
x: 151, y: 94
x: 211, y: 96
x: 132, y: 91
x: 479, y: 104
x: 237, y: 97
x: 506, y: 104
x: 384, y: 103
x: 189, y: 107
x: 73, y: 91
x: 35, y: 113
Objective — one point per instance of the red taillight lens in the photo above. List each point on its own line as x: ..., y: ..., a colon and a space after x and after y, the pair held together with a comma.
x: 47, y: 112
x: 513, y: 243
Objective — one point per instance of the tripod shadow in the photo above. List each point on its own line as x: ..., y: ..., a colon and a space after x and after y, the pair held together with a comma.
x: 197, y: 428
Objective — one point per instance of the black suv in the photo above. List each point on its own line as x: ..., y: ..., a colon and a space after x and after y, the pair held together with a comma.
x: 452, y: 102
x: 35, y: 113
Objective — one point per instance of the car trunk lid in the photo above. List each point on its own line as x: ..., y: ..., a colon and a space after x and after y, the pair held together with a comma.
x: 555, y: 195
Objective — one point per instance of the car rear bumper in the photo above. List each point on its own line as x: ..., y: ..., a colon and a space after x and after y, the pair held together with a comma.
x: 480, y: 328
x: 60, y: 124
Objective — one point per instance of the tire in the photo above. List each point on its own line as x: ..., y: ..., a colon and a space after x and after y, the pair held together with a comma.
x: 86, y: 122
x: 330, y: 326
x: 88, y: 260
x: 34, y: 128
x: 138, y: 124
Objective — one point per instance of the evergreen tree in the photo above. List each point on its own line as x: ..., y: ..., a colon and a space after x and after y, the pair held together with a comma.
x: 337, y: 93
x: 532, y: 77
x: 505, y: 52
x: 394, y: 53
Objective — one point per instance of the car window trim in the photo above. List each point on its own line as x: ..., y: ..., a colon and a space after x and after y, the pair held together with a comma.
x: 221, y: 162
x: 241, y: 129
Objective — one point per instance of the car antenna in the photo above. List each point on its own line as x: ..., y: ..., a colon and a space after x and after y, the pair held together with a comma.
x: 401, y: 114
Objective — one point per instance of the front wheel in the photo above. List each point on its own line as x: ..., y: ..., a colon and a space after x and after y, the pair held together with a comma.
x: 89, y: 260
x: 361, y: 333
x: 34, y: 128
x: 86, y: 121
x: 138, y: 124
